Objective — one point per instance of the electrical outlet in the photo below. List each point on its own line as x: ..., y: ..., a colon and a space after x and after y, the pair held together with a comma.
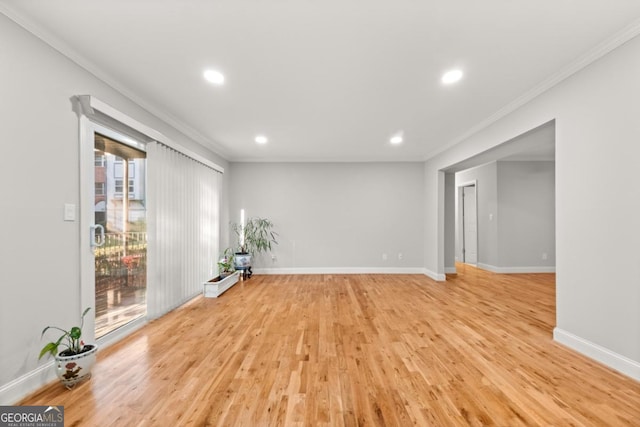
x: 544, y: 255
x: 400, y: 255
x: 384, y: 257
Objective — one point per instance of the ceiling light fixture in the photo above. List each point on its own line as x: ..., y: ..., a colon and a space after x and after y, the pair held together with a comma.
x: 452, y: 76
x: 397, y: 139
x: 261, y: 139
x: 214, y: 77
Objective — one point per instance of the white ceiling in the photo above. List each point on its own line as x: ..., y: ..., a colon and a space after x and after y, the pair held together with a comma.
x: 328, y: 80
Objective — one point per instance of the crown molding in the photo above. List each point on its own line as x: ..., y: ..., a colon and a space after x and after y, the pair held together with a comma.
x: 627, y: 33
x: 69, y: 52
x: 608, y: 45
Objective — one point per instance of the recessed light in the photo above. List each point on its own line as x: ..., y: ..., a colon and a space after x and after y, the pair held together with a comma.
x: 451, y: 76
x: 214, y: 77
x: 397, y: 139
x: 261, y: 139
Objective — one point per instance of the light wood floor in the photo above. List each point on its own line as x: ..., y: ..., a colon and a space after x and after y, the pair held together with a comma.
x: 354, y: 350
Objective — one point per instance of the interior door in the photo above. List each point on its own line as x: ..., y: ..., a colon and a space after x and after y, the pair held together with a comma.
x: 470, y: 225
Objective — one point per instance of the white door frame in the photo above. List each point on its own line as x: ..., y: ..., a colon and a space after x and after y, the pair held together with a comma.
x: 87, y: 195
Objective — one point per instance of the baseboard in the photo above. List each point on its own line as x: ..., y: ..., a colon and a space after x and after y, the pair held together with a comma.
x: 517, y: 270
x: 340, y: 270
x: 435, y: 276
x: 12, y: 392
x: 622, y: 364
x: 353, y: 270
x: 450, y: 270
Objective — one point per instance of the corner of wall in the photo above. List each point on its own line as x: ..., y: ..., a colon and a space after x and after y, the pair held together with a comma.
x: 435, y: 276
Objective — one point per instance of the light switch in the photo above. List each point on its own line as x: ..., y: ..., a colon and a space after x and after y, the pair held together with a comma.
x: 69, y: 212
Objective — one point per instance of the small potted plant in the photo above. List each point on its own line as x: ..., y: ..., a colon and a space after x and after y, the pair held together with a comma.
x: 254, y: 237
x: 226, y: 263
x: 75, y: 361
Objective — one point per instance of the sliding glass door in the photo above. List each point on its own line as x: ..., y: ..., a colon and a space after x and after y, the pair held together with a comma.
x: 134, y: 181
x: 120, y: 233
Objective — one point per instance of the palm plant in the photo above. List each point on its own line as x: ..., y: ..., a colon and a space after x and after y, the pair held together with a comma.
x: 255, y: 236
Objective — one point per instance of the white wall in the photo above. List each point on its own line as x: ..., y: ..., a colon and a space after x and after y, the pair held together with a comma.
x: 597, y: 228
x: 40, y: 172
x: 450, y: 222
x: 335, y: 216
x: 526, y: 216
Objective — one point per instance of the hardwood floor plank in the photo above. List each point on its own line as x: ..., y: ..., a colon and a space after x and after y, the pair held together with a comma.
x: 354, y: 350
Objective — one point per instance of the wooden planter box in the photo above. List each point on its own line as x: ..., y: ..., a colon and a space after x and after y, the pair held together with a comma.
x: 215, y: 287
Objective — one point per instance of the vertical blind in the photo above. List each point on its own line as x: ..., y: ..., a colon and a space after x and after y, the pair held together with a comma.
x: 183, y: 227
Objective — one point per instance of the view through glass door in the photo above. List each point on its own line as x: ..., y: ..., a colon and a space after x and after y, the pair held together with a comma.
x: 121, y: 259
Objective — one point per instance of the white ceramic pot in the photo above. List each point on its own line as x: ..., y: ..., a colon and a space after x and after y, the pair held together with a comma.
x: 73, y: 369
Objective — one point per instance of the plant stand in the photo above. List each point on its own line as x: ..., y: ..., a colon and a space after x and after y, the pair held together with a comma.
x: 215, y: 287
x: 245, y: 272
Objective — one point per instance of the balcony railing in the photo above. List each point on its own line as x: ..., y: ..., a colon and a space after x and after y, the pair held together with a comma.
x: 121, y: 261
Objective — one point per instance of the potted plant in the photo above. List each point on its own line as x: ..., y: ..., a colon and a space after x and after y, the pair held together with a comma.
x: 226, y: 263
x: 75, y: 361
x: 226, y: 278
x: 254, y: 237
